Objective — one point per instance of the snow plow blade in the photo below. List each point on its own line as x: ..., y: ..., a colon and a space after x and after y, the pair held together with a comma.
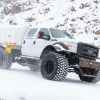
x: 87, y: 63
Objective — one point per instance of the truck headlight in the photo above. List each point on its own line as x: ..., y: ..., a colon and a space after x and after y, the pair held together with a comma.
x: 71, y: 46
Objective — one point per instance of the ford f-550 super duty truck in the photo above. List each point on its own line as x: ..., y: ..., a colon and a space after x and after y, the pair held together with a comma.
x: 57, y: 53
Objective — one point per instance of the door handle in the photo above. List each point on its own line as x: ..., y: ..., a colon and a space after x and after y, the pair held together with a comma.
x: 24, y: 42
x: 34, y: 42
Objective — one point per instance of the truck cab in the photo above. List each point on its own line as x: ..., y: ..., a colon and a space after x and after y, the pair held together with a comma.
x: 38, y: 38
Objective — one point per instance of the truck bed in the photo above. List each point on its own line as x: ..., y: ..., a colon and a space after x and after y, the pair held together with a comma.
x: 12, y: 34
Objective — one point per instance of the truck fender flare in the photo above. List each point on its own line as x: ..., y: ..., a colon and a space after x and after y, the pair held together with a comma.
x: 48, y: 48
x: 59, y: 46
x: 56, y: 47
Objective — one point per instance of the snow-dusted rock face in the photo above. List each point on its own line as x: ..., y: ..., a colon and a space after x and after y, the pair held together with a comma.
x: 75, y: 16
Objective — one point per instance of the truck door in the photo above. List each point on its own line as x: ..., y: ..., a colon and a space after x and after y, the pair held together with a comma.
x: 29, y: 43
x: 43, y: 39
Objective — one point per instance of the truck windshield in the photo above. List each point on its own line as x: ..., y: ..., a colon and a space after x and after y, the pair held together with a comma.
x: 60, y: 34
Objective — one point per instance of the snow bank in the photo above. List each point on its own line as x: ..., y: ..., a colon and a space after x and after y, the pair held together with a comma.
x: 20, y: 83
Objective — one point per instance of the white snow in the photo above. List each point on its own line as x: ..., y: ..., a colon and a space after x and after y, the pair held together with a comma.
x: 75, y: 16
x: 19, y: 83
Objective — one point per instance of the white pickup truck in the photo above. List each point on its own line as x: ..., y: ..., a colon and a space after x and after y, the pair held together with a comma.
x: 57, y: 53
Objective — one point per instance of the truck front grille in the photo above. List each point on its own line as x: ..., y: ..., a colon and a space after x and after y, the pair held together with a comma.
x: 87, y: 51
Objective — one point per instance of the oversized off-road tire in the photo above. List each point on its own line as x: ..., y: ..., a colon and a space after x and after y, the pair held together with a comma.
x: 54, y: 66
x: 5, y: 60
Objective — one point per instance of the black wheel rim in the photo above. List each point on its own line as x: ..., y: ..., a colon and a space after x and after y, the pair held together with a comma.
x: 49, y: 67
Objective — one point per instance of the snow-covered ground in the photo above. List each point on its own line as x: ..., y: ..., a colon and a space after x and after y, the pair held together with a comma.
x: 75, y: 16
x: 19, y: 83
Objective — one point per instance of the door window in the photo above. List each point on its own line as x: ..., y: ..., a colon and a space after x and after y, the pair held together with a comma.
x: 31, y: 33
x: 44, y: 34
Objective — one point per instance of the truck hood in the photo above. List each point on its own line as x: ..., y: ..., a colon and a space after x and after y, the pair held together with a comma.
x: 88, y: 39
x: 66, y: 40
x: 73, y: 43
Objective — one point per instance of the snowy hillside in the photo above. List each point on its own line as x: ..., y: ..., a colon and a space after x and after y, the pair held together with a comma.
x: 75, y: 16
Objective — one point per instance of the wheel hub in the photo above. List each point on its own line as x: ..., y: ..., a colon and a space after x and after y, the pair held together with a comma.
x: 49, y: 67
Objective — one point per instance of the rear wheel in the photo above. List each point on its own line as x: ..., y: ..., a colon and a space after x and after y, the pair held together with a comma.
x: 5, y: 60
x: 54, y: 66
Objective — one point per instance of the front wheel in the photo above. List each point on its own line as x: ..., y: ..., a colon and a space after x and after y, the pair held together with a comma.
x: 5, y: 60
x: 54, y: 66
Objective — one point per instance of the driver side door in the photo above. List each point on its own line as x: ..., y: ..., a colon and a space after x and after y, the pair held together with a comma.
x: 43, y: 39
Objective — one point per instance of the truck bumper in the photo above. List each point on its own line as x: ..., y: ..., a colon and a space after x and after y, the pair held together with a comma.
x: 90, y: 64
